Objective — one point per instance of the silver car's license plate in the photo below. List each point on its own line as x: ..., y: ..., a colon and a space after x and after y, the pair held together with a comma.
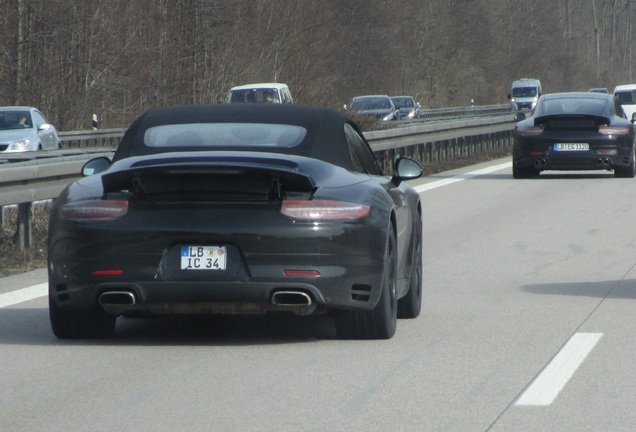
x: 203, y: 257
x: 571, y: 147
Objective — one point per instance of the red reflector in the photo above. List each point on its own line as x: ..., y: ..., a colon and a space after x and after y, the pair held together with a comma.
x: 301, y: 273
x: 107, y: 273
x: 94, y: 210
x: 317, y: 210
x: 606, y: 152
x: 537, y: 153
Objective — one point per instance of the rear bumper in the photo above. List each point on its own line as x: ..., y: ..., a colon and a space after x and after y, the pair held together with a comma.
x: 593, y: 162
x: 338, y: 264
x: 223, y: 297
x: 340, y: 269
x: 602, y: 154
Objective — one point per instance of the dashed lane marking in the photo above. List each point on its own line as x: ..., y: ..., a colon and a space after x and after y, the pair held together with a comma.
x: 549, y: 383
x: 462, y: 177
x: 24, y: 294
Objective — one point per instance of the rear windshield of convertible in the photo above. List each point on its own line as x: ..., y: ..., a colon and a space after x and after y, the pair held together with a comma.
x: 224, y: 134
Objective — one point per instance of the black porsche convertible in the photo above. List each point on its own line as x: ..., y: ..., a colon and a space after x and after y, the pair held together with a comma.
x: 238, y: 209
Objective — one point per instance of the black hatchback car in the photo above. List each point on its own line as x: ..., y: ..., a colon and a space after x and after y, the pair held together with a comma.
x: 574, y: 131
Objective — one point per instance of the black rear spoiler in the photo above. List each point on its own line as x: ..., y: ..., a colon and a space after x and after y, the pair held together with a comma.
x: 596, y: 118
x: 275, y: 175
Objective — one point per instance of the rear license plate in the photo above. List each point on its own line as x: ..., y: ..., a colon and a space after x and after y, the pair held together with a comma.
x: 203, y: 257
x: 571, y: 147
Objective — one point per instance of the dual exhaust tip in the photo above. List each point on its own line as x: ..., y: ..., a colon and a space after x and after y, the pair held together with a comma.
x: 540, y: 163
x: 604, y: 162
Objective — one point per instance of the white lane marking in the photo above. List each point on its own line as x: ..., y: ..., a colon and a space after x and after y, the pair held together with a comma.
x: 448, y: 181
x: 549, y: 383
x: 24, y: 294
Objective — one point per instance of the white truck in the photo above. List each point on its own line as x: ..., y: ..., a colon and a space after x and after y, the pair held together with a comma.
x: 524, y: 93
x: 260, y: 92
x: 626, y: 95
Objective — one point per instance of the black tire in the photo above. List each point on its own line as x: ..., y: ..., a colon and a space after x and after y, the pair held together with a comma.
x: 628, y: 171
x: 381, y: 321
x: 410, y: 305
x: 520, y: 172
x: 88, y: 324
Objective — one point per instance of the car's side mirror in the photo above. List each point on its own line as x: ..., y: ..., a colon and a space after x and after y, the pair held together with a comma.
x: 44, y: 127
x: 634, y: 118
x: 520, y: 116
x: 95, y: 166
x: 407, y: 169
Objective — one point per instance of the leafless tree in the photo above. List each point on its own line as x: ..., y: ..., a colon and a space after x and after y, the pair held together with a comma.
x: 117, y: 58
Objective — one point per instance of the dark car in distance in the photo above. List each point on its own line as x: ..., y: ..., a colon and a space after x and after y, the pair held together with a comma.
x: 237, y: 209
x: 408, y: 108
x: 574, y: 131
x: 375, y: 106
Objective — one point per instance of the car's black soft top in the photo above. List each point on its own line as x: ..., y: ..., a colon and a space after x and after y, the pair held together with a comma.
x: 325, y: 138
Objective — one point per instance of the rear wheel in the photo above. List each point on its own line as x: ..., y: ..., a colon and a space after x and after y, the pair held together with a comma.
x: 629, y: 170
x: 88, y: 324
x: 381, y: 321
x: 521, y: 172
x: 410, y: 305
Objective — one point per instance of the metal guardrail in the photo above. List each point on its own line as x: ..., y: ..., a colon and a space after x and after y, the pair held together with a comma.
x: 44, y: 177
x: 94, y: 138
x: 441, y: 141
x: 38, y: 179
x: 467, y: 111
x: 386, y: 139
x: 35, y: 176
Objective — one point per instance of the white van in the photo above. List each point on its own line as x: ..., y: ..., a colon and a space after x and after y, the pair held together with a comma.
x: 260, y: 92
x: 626, y: 95
x: 524, y: 93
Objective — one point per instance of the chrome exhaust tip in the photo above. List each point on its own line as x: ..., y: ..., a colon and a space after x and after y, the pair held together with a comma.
x: 117, y: 298
x: 291, y: 298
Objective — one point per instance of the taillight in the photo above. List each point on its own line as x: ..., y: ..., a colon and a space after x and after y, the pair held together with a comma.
x: 613, y: 130
x: 94, y: 210
x: 319, y: 210
x: 529, y: 131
